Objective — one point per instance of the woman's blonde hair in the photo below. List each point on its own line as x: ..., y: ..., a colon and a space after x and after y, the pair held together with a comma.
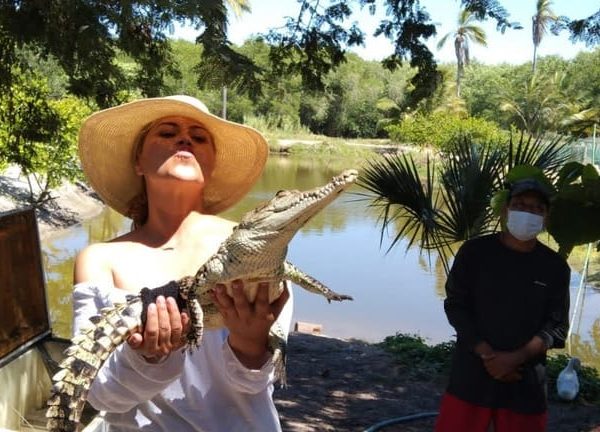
x: 138, y: 205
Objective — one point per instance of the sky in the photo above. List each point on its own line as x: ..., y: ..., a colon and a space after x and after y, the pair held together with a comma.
x: 515, y: 46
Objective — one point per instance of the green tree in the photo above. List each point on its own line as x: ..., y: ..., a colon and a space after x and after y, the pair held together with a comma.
x: 544, y: 16
x: 185, y: 56
x: 281, y: 96
x: 346, y: 107
x: 39, y: 134
x: 32, y: 59
x: 481, y: 90
x: 465, y: 32
x: 585, y: 117
x: 583, y: 84
x: 536, y: 104
x: 586, y: 30
x: 86, y: 37
x: 315, y: 42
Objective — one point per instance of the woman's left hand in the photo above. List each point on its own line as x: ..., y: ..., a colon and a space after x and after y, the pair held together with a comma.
x: 249, y: 322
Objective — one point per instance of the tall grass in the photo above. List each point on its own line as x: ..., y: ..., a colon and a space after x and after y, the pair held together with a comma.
x: 277, y: 126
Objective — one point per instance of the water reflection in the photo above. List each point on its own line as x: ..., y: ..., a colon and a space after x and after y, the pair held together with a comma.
x: 395, y: 292
x: 59, y: 256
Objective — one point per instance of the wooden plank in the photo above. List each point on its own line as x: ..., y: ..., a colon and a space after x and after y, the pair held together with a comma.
x: 310, y: 328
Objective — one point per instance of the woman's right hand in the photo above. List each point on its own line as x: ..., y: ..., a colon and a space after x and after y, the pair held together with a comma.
x: 164, y: 331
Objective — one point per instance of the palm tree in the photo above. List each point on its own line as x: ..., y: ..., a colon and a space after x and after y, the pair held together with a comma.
x: 586, y: 115
x: 437, y: 215
x: 239, y: 6
x: 465, y: 32
x: 536, y: 104
x: 540, y: 21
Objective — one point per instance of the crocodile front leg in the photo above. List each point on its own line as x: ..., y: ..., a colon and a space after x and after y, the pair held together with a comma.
x: 310, y: 284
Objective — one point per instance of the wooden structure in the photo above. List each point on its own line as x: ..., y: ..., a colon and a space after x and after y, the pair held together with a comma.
x: 29, y: 352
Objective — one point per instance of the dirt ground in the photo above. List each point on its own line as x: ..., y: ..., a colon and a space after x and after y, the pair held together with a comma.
x: 71, y: 203
x: 336, y: 385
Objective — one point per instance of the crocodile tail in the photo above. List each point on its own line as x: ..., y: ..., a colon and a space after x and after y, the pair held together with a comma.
x: 83, y: 359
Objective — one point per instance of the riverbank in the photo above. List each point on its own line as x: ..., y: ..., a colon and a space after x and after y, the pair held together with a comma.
x: 69, y: 204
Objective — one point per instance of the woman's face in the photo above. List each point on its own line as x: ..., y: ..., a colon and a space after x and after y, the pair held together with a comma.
x: 177, y: 147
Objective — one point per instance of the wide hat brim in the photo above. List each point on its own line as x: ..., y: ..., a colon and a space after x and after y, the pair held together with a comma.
x: 107, y: 138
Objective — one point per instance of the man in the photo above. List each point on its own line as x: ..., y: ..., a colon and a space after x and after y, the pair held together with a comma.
x: 508, y: 299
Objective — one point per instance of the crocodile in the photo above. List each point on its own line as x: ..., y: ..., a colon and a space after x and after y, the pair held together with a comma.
x: 255, y: 251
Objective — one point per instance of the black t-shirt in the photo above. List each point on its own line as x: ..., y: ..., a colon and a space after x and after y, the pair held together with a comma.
x: 505, y: 297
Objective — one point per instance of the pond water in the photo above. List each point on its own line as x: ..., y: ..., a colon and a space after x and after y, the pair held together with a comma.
x: 395, y: 292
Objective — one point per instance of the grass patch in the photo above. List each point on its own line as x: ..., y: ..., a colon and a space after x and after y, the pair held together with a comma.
x: 422, y: 361
x: 328, y: 150
x: 275, y: 127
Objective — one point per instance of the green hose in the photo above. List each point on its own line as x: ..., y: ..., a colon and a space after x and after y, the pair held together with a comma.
x: 398, y: 420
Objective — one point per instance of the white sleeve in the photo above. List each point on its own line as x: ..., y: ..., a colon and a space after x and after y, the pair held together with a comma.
x: 254, y: 381
x: 86, y: 303
x: 125, y: 379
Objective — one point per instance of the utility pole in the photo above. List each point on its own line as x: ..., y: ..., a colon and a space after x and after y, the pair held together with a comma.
x: 224, y: 110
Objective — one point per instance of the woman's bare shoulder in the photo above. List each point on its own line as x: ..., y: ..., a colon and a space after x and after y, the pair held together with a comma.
x: 108, y: 247
x: 95, y: 261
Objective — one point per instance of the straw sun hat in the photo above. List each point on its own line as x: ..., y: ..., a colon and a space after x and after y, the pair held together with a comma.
x: 107, y: 138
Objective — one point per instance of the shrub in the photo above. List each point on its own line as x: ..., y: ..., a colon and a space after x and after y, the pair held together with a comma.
x: 423, y: 360
x: 440, y: 130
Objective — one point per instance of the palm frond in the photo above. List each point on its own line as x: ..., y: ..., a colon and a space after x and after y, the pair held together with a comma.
x: 583, y: 119
x: 547, y: 154
x: 465, y: 16
x: 542, y: 19
x: 443, y: 40
x: 238, y: 7
x: 470, y: 176
x: 477, y: 34
x: 404, y: 199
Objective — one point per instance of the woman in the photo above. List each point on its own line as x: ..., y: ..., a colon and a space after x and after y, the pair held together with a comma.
x: 172, y: 166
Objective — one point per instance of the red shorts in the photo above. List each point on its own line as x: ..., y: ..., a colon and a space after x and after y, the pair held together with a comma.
x: 457, y: 415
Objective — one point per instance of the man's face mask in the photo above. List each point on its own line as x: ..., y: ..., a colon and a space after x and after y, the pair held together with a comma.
x: 523, y: 225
